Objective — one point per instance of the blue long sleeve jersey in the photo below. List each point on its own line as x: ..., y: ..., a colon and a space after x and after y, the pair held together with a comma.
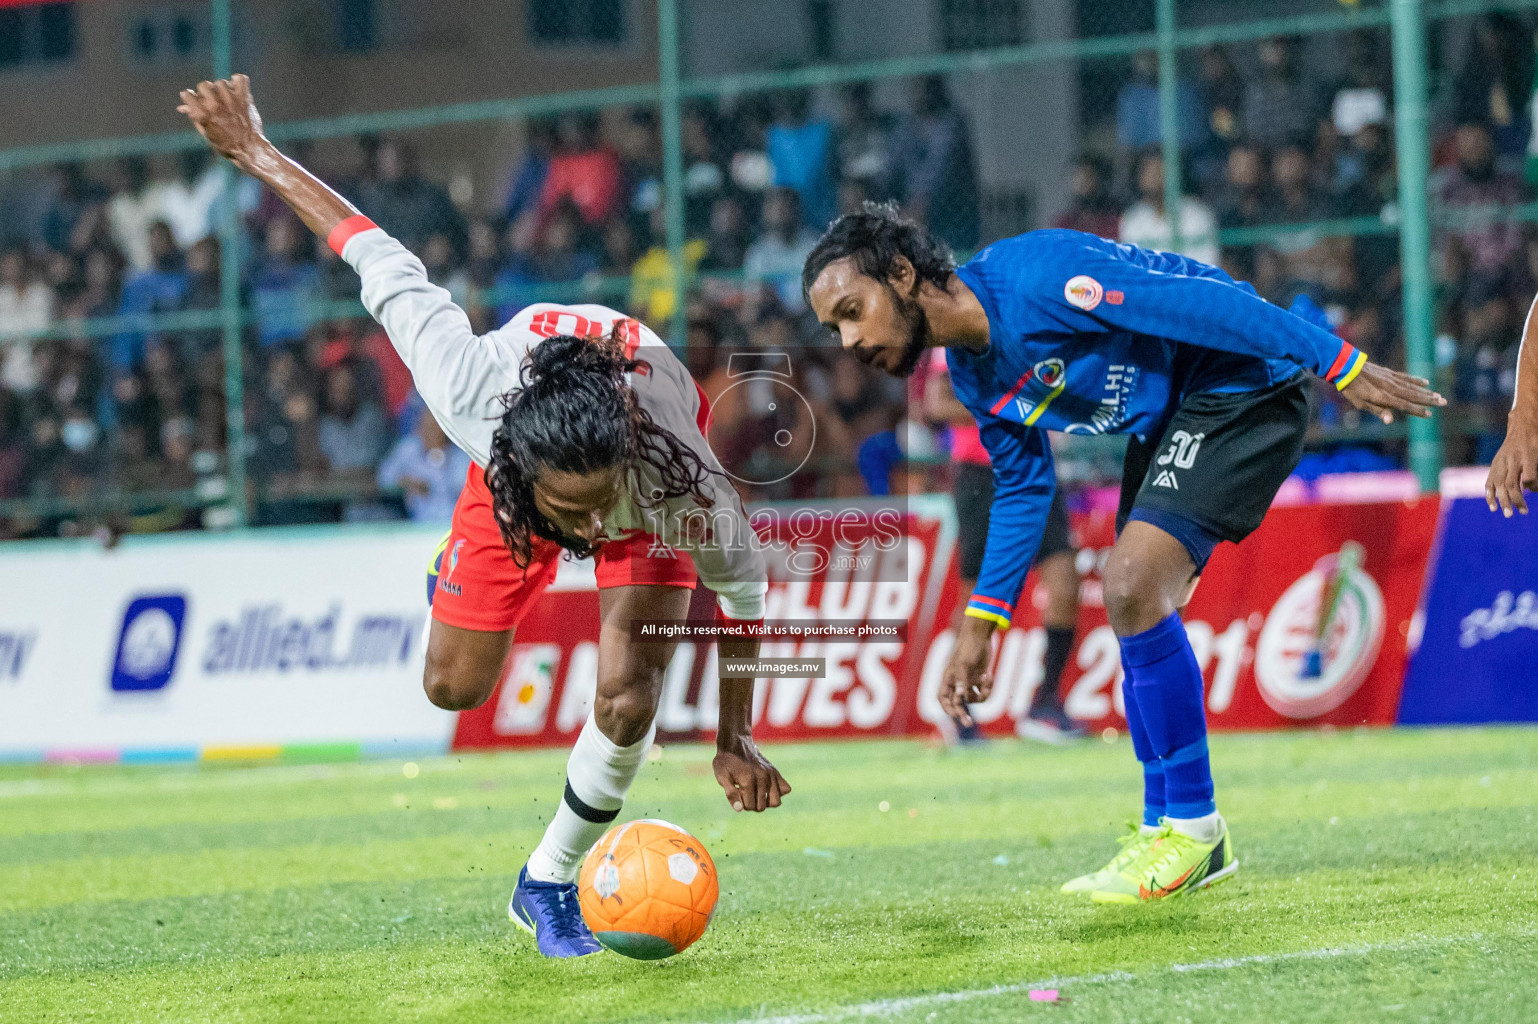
x: 1090, y: 337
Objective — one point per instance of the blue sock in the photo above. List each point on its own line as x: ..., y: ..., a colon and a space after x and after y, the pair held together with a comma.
x: 1166, y: 686
x: 1153, y: 768
x: 1188, y: 775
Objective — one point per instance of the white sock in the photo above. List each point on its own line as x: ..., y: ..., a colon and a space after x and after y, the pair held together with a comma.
x: 598, y: 775
x: 1205, y: 829
x: 1149, y: 830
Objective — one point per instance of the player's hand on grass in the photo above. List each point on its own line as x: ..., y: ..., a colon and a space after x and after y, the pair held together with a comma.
x: 1383, y: 392
x: 1514, y: 468
x: 224, y: 114
x: 750, y: 781
x: 967, y: 679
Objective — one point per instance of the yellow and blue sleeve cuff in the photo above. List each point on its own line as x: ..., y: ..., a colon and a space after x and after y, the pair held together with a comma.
x: 1350, y: 375
x: 991, y: 609
x: 1348, y: 363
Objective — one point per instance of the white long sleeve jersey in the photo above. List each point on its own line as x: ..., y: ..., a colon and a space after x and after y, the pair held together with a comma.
x: 462, y: 377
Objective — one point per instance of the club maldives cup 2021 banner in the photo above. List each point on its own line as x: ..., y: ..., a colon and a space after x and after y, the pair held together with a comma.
x: 191, y: 646
x: 1305, y: 623
x: 848, y: 570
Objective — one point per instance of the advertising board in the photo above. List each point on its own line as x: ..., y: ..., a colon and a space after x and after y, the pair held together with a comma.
x: 1305, y: 623
x: 172, y: 647
x: 1477, y: 660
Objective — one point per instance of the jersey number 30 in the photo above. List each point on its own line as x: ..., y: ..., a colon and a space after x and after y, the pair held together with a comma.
x: 1182, y: 449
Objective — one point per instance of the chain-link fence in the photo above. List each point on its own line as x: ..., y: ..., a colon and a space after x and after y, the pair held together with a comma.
x: 167, y: 366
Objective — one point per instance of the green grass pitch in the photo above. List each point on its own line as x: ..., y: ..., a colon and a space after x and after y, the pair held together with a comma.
x: 1386, y: 876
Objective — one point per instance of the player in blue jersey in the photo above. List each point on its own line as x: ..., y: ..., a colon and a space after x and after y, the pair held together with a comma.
x: 1060, y: 330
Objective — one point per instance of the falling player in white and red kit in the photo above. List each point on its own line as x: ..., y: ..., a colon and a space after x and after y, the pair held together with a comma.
x: 586, y: 434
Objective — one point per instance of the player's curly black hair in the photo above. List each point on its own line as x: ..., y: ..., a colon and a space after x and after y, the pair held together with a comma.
x: 575, y: 413
x: 875, y: 237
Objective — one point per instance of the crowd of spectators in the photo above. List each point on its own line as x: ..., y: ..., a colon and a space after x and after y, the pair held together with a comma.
x: 333, y: 429
x: 1284, y: 146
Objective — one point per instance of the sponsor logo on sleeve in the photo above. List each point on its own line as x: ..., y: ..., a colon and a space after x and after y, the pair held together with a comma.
x: 148, y: 643
x: 1084, y: 292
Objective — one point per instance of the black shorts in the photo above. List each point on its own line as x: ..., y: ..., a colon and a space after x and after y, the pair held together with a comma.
x: 1219, y: 462
x: 974, y: 496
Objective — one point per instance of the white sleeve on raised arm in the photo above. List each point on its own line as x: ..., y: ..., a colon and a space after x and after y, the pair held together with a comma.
x: 460, y: 376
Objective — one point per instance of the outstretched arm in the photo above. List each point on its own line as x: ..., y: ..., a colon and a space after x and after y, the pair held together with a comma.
x: 1022, y: 493
x: 1515, y: 467
x: 460, y: 376
x: 1097, y: 289
x: 750, y: 781
x: 224, y: 114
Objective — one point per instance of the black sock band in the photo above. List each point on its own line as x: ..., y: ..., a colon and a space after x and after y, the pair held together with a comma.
x: 585, y: 811
x: 1059, y: 644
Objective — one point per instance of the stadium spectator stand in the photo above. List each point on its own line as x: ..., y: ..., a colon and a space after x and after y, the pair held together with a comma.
x: 1264, y: 143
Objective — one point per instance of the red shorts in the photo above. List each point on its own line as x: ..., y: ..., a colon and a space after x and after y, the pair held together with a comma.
x: 476, y: 584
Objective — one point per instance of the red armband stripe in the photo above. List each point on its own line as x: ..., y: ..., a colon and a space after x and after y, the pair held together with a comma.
x: 343, y: 232
x: 1342, y: 360
x: 1025, y: 379
x: 995, y: 602
x: 703, y: 416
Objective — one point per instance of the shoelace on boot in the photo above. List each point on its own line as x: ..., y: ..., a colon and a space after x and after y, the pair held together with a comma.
x: 560, y: 909
x: 1167, y: 847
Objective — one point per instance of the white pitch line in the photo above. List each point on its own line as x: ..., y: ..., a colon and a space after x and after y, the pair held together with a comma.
x: 196, y: 775
x: 888, y: 1007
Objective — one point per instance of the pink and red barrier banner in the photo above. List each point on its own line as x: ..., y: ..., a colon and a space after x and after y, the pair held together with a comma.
x: 1305, y: 623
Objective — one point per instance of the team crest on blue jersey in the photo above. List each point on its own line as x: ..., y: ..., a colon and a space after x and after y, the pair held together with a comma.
x: 1051, y: 374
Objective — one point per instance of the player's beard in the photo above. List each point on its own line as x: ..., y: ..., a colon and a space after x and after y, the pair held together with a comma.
x: 546, y: 530
x: 916, y: 324
x: 578, y: 549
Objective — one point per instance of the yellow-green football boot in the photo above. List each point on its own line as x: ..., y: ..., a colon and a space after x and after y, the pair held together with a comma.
x: 1132, y: 846
x: 1172, y: 864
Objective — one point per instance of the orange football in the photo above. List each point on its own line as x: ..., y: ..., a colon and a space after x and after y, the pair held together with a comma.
x: 647, y: 889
